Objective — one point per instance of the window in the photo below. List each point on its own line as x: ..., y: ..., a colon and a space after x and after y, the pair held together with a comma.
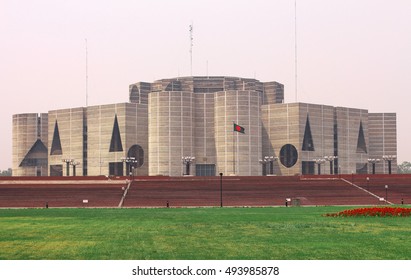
x: 288, y: 155
x: 308, y: 167
x: 116, y: 168
x: 137, y: 152
x: 56, y: 143
x: 56, y: 170
x: 205, y: 169
x: 116, y: 144
x: 308, y: 144
x: 134, y: 94
x: 361, y: 145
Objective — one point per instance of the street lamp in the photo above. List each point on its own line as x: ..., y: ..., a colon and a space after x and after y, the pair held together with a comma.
x: 373, y: 161
x: 386, y: 193
x: 368, y: 182
x: 389, y: 159
x: 74, y: 164
x: 331, y: 160
x: 263, y: 162
x: 130, y: 162
x: 319, y: 161
x: 221, y: 189
x: 67, y: 161
x: 271, y: 160
x: 187, y: 160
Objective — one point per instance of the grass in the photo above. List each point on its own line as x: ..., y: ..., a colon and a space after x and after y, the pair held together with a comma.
x: 200, y: 233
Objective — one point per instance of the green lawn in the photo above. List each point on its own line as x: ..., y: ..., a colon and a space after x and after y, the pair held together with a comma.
x: 200, y: 233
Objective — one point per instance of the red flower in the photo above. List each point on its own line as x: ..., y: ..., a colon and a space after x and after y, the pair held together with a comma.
x: 373, y: 212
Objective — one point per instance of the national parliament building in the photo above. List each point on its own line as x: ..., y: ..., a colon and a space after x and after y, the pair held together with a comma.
x: 171, y: 120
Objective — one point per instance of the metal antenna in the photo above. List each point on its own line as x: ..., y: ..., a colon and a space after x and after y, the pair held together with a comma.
x: 191, y: 28
x: 295, y: 54
x: 86, y: 75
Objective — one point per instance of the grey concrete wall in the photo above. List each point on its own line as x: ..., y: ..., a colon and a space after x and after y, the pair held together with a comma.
x: 321, y: 120
x: 348, y: 122
x: 70, y: 124
x: 281, y: 126
x: 171, y: 131
x: 204, y: 130
x: 383, y: 139
x: 238, y: 153
x: 132, y: 121
x: 26, y: 129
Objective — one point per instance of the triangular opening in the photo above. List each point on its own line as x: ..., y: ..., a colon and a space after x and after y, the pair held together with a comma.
x: 115, y: 144
x: 36, y: 156
x: 308, y: 143
x: 361, y: 145
x: 56, y: 143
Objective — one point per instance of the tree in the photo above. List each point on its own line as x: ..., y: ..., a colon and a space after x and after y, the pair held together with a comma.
x: 6, y: 172
x: 404, y: 168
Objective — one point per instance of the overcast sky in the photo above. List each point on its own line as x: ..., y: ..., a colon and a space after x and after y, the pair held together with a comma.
x: 351, y: 53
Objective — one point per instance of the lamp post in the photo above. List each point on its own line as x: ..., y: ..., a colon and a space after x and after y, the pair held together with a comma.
x: 263, y: 163
x: 386, y: 193
x: 67, y: 161
x: 373, y: 161
x: 331, y: 160
x: 74, y: 164
x: 389, y: 159
x: 319, y: 161
x: 368, y: 182
x: 221, y: 189
x: 271, y: 160
x: 187, y: 160
x: 130, y: 161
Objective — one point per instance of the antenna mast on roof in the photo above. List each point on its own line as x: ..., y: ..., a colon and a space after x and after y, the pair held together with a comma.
x: 191, y: 29
x: 295, y: 51
x: 86, y: 75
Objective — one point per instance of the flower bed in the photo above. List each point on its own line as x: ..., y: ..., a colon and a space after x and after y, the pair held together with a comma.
x: 373, y: 212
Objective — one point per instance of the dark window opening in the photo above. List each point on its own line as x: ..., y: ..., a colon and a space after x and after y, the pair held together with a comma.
x: 56, y: 143
x: 85, y: 144
x: 288, y: 155
x: 205, y: 170
x: 134, y: 94
x: 362, y: 168
x: 56, y: 170
x: 336, y: 164
x: 116, y: 169
x: 308, y: 143
x: 38, y: 127
x: 137, y: 152
x: 308, y: 168
x: 116, y: 144
x: 361, y: 145
x: 36, y: 156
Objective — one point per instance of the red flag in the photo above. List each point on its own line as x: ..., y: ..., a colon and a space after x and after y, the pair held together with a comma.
x: 238, y: 128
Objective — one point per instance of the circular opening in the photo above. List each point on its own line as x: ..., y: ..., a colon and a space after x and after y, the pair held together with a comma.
x: 288, y: 155
x: 137, y: 152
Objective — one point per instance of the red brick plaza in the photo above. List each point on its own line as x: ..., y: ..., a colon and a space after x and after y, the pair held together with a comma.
x: 160, y: 191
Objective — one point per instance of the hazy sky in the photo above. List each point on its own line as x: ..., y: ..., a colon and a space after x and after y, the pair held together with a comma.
x: 351, y: 53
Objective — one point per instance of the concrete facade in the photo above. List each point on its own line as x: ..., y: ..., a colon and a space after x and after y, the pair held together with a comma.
x: 30, y: 139
x: 102, y: 153
x: 383, y: 139
x: 169, y: 119
x: 65, y: 138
